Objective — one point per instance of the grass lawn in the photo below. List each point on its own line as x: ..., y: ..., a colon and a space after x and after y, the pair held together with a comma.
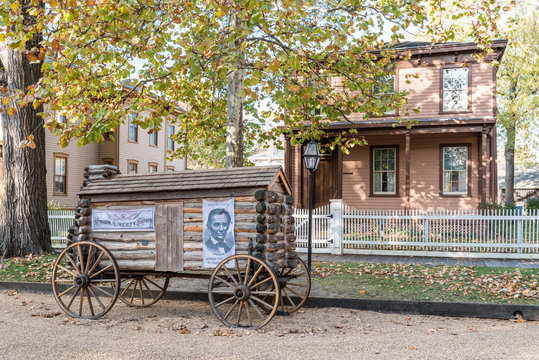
x: 371, y: 281
x: 428, y: 282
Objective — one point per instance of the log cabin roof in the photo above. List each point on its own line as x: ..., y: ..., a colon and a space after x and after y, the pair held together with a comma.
x: 189, y: 180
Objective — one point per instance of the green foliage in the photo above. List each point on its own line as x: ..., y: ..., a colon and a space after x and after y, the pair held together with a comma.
x: 518, y: 89
x: 53, y: 206
x: 532, y: 204
x: 305, y: 62
x: 494, y: 205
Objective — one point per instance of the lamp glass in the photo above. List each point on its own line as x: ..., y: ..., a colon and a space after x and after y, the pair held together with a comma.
x: 311, y: 156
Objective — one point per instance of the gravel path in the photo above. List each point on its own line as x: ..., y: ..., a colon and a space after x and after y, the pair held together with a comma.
x: 32, y: 327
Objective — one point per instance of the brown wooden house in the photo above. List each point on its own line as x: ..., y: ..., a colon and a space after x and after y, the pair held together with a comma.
x: 446, y: 160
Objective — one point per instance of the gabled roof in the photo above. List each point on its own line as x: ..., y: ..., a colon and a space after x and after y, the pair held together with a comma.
x: 216, y: 179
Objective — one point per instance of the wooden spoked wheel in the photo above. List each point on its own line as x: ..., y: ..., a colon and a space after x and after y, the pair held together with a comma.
x: 143, y: 290
x: 237, y: 286
x: 295, y: 287
x: 85, y: 280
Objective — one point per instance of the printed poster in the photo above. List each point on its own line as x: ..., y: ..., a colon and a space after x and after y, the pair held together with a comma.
x: 123, y: 220
x: 218, y: 231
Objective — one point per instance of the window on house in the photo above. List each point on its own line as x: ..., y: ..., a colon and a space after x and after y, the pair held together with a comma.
x: 62, y: 119
x: 170, y: 168
x: 170, y: 139
x: 60, y: 174
x: 384, y: 174
x: 132, y: 167
x: 152, y: 167
x: 455, y: 89
x: 133, y: 127
x: 384, y: 89
x: 455, y: 170
x: 153, y: 137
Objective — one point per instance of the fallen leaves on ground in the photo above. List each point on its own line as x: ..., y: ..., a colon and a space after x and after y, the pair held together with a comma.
x: 460, y: 280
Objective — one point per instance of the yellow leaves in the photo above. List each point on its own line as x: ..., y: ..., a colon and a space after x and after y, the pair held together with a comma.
x: 293, y: 87
x: 208, y: 53
x: 55, y: 45
x: 5, y: 101
x: 11, y: 111
x: 135, y: 40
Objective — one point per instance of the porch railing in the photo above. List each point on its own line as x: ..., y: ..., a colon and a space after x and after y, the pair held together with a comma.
x: 342, y: 229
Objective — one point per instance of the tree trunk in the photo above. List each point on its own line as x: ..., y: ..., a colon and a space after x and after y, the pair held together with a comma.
x: 24, y: 228
x: 234, y: 110
x: 510, y: 165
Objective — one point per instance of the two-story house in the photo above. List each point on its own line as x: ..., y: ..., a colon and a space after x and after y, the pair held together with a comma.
x: 133, y: 150
x: 447, y: 159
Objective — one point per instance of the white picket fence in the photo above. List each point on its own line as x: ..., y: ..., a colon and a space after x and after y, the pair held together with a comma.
x: 342, y: 229
x: 59, y: 222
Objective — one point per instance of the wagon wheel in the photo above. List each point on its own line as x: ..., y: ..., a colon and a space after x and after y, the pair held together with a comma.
x: 295, y: 287
x: 236, y: 292
x: 85, y: 280
x: 142, y: 290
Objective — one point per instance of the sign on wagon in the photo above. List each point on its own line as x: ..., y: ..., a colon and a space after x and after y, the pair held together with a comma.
x: 218, y: 231
x: 123, y: 220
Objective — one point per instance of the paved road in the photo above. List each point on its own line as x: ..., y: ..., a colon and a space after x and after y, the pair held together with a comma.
x: 32, y: 327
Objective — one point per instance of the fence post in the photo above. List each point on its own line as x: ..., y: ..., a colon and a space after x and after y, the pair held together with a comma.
x: 336, y: 207
x: 519, y: 234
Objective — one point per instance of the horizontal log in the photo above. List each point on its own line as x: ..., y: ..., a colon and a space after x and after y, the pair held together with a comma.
x: 197, y: 236
x: 249, y: 204
x: 236, y: 211
x: 133, y: 264
x: 245, y: 228
x: 127, y: 246
x: 126, y: 237
x: 134, y: 255
x: 101, y: 168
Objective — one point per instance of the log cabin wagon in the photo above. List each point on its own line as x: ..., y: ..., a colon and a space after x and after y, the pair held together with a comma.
x: 133, y: 233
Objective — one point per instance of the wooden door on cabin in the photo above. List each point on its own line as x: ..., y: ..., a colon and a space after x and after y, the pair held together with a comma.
x: 169, y: 237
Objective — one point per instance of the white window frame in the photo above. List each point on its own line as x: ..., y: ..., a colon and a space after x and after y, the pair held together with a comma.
x: 394, y: 171
x: 465, y: 172
x: 464, y: 89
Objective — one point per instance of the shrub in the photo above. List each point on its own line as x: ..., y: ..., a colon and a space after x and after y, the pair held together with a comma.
x: 52, y: 206
x: 532, y: 204
x: 494, y: 205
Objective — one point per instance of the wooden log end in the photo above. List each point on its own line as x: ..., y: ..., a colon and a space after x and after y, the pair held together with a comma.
x: 260, y: 195
x: 261, y: 207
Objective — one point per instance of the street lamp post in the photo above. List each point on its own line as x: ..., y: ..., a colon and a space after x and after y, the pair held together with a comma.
x: 311, y: 157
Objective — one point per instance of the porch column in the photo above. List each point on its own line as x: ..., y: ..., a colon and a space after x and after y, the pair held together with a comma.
x: 483, y: 166
x: 493, y: 165
x: 407, y: 170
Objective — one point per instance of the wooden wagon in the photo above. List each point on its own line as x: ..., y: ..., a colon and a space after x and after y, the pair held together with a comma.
x: 133, y: 233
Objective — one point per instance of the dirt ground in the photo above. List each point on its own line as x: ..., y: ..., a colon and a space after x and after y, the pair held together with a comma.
x: 32, y: 327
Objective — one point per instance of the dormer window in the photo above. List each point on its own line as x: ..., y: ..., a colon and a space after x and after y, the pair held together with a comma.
x: 455, y: 89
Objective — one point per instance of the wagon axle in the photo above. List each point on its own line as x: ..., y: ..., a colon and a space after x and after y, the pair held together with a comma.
x: 82, y: 280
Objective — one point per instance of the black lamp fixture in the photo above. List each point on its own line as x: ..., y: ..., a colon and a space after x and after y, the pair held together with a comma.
x: 311, y: 157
